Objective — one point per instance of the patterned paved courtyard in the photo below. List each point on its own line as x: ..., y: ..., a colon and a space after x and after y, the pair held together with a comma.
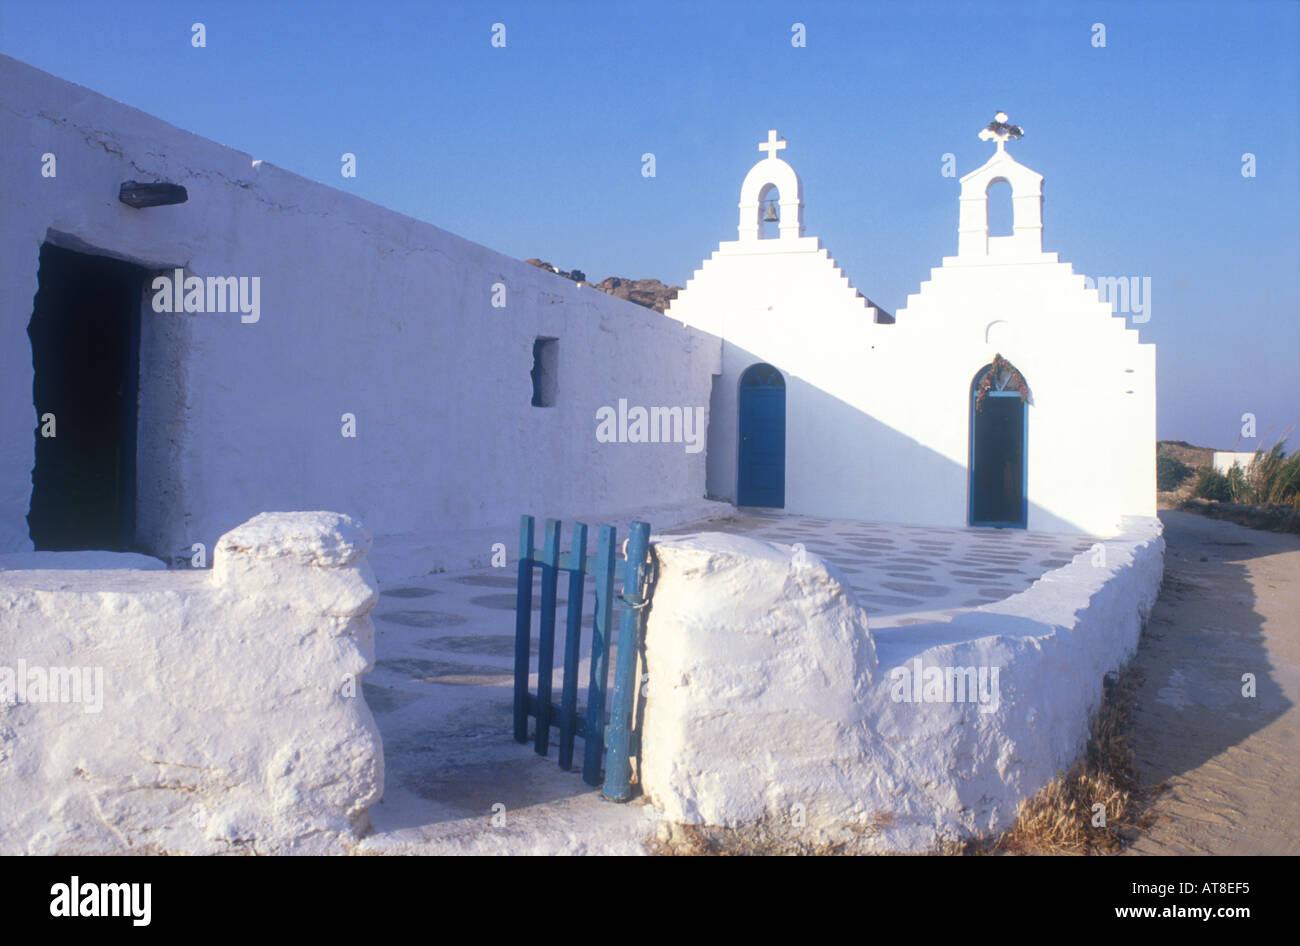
x: 915, y: 574
x: 441, y: 687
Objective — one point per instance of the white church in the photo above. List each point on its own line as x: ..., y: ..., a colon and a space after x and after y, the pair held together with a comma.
x: 210, y: 361
x: 356, y: 360
x: 824, y: 405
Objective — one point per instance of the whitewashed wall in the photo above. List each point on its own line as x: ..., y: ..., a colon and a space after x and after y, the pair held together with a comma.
x: 222, y: 710
x: 363, y: 311
x: 771, y: 701
x: 877, y: 423
x: 1225, y: 460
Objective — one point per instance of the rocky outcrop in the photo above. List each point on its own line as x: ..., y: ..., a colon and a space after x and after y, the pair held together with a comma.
x: 650, y: 293
x: 576, y: 275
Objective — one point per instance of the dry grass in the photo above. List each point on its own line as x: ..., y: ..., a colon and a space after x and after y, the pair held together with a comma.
x: 1059, y: 819
x: 1186, y: 453
x: 762, y: 839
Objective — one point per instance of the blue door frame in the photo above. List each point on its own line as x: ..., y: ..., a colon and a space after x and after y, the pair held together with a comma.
x: 1023, y: 520
x: 760, y: 473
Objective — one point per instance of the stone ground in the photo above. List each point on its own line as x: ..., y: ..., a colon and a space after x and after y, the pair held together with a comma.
x: 441, y: 690
x: 914, y: 574
x: 1230, y: 605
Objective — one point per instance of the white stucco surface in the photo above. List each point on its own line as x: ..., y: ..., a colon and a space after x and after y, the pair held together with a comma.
x: 1225, y: 460
x: 757, y: 685
x: 362, y: 311
x: 80, y: 561
x: 228, y: 716
x: 770, y: 694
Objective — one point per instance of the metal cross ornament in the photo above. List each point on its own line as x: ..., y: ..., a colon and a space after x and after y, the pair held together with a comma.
x: 998, y: 130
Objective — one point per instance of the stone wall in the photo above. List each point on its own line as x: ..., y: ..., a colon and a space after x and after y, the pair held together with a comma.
x: 772, y: 703
x: 210, y: 712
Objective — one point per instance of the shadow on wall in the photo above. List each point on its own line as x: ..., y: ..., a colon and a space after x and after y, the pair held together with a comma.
x: 881, y: 486
x: 198, y: 473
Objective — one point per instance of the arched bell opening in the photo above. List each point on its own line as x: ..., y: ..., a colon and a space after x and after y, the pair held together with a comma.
x: 769, y: 213
x: 1000, y: 210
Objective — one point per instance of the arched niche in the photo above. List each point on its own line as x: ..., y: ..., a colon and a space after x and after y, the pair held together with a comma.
x: 1000, y: 334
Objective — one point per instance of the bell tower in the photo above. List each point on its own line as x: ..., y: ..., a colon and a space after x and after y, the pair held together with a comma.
x: 1026, y: 240
x: 767, y: 175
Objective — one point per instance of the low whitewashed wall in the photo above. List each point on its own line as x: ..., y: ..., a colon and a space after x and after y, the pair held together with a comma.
x: 759, y: 670
x: 216, y: 711
x: 771, y: 700
x: 1225, y: 460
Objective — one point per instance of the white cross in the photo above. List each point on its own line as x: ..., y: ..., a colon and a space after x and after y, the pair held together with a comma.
x: 998, y: 130
x: 771, y: 146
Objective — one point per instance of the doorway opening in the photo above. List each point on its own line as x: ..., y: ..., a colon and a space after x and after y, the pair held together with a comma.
x: 760, y: 480
x: 998, y: 431
x: 85, y: 335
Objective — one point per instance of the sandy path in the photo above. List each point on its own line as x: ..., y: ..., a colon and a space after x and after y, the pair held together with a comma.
x: 1230, y: 605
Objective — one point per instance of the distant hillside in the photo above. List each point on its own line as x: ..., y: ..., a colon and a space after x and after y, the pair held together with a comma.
x: 650, y: 293
x: 1183, y: 451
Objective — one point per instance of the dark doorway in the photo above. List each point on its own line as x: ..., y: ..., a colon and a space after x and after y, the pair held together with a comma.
x: 761, y: 477
x: 997, y: 481
x: 85, y: 333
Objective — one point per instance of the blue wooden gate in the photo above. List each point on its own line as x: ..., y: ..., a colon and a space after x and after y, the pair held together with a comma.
x: 760, y: 479
x: 617, y: 739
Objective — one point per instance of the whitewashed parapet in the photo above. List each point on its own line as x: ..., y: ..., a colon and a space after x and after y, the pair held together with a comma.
x: 759, y: 663
x: 770, y: 701
x: 227, y: 716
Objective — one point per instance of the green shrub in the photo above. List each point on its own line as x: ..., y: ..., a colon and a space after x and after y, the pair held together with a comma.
x: 1274, y: 478
x: 1211, y: 484
x: 1170, y: 472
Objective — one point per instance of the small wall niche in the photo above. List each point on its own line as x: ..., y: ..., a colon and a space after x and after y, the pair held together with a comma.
x: 546, y: 362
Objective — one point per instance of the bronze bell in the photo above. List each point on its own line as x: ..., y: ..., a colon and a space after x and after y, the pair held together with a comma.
x: 770, y: 216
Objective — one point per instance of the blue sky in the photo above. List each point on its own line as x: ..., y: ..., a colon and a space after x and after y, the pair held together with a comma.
x: 535, y: 149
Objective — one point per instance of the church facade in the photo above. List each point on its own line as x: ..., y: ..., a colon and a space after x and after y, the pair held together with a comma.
x: 1005, y: 393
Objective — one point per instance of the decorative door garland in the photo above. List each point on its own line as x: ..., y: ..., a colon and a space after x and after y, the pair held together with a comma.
x: 1015, y: 380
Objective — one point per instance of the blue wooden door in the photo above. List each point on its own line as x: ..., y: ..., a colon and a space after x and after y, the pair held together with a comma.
x: 998, y: 459
x: 760, y: 479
